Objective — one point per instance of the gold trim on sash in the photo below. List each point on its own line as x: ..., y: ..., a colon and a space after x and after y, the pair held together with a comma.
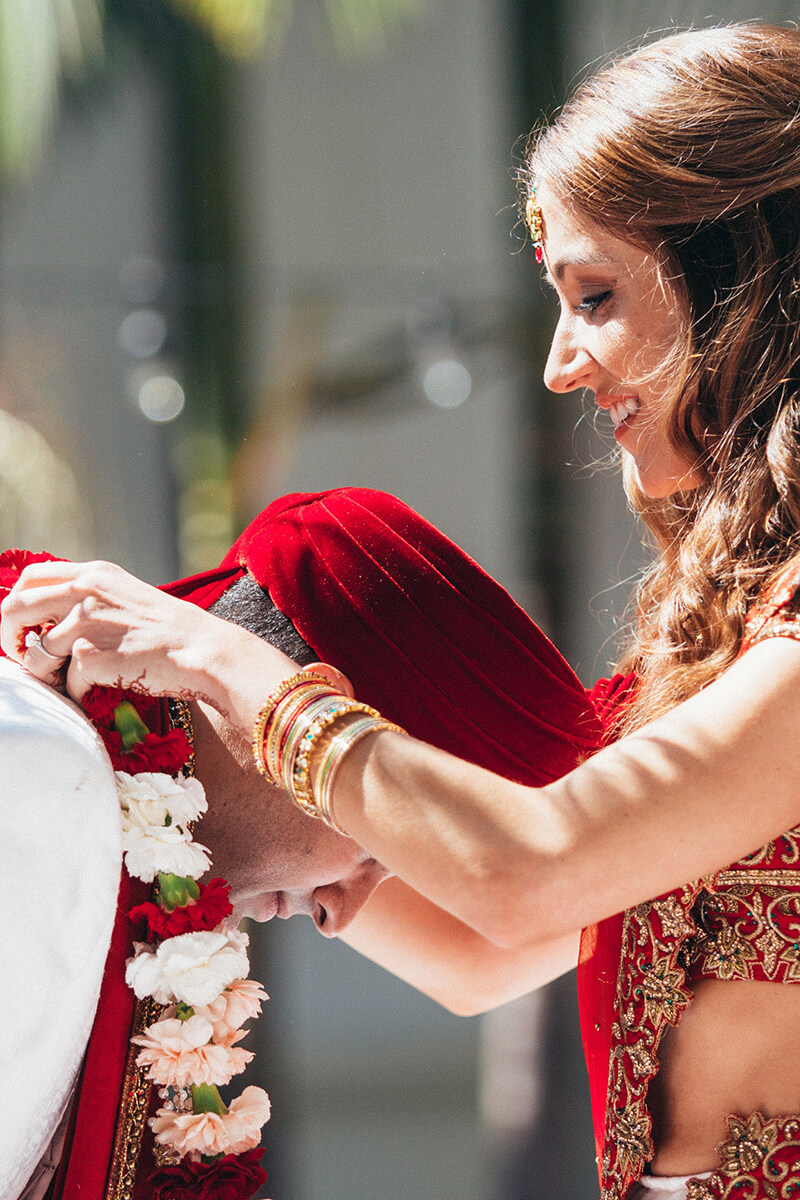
x: 132, y: 1114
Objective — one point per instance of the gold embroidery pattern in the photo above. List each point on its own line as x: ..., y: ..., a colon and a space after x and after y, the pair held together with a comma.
x: 180, y: 717
x: 741, y: 923
x: 780, y: 854
x: 651, y: 995
x: 748, y: 920
x: 783, y: 626
x: 133, y: 1111
x: 760, y: 1160
x: 745, y: 933
x: 770, y: 615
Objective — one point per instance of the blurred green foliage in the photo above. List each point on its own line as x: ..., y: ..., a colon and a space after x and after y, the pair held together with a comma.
x: 41, y: 42
x: 44, y: 43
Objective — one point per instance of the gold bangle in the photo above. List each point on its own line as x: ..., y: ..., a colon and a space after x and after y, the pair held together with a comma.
x: 285, y: 713
x: 265, y: 715
x: 333, y: 755
x: 297, y: 772
x: 305, y: 719
x: 297, y: 722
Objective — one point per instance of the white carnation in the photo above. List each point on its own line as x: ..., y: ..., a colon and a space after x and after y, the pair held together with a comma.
x: 236, y: 938
x: 166, y: 848
x: 150, y: 798
x: 193, y: 967
x: 143, y: 974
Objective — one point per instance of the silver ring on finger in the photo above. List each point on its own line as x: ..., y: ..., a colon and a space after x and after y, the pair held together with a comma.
x: 34, y: 641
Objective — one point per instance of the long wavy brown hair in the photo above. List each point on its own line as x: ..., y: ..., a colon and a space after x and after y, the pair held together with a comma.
x: 690, y: 148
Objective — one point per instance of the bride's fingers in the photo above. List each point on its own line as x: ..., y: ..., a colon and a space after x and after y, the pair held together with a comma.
x: 115, y: 629
x: 80, y: 675
x: 26, y: 609
x: 41, y: 662
x: 55, y: 571
x: 66, y: 595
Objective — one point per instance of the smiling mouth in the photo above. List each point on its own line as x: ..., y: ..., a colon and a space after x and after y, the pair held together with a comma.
x: 622, y: 409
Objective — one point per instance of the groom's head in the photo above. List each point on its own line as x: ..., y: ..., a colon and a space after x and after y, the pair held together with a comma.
x: 357, y: 579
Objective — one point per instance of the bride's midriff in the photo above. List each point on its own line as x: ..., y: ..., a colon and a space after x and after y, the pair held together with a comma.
x: 736, y: 1050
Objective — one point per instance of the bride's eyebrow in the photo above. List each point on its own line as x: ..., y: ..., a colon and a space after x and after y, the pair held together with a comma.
x: 584, y: 260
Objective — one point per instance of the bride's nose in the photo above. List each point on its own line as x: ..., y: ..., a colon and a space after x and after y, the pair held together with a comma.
x: 336, y: 904
x: 569, y: 365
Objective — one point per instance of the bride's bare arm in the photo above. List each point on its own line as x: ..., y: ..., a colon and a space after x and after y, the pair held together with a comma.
x: 442, y: 957
x: 713, y: 780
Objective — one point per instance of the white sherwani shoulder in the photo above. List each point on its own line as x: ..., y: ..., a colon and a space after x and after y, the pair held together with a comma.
x: 60, y: 862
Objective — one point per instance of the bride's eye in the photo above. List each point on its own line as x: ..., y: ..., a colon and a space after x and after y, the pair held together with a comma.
x: 591, y: 304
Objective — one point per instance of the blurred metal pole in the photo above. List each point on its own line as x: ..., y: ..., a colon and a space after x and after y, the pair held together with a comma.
x: 544, y: 1146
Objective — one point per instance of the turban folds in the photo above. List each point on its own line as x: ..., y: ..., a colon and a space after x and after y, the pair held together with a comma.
x: 425, y: 635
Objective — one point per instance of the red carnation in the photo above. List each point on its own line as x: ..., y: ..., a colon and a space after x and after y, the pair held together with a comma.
x: 165, y: 753
x: 232, y: 1177
x: 211, y: 907
x: 99, y: 704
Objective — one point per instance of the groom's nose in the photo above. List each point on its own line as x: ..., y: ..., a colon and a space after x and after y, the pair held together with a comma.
x: 336, y: 904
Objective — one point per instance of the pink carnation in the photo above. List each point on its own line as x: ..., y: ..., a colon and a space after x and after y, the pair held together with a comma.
x: 210, y: 1133
x: 180, y: 1053
x: 232, y: 1007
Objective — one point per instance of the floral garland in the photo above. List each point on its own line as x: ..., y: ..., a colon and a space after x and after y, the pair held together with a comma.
x: 194, y: 962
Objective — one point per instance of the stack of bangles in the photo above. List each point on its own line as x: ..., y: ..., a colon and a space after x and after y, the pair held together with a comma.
x: 306, y: 724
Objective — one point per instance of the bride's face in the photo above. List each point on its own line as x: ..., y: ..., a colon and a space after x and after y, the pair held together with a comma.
x: 618, y: 321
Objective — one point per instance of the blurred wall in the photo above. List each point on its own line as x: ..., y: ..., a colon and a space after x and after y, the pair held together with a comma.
x: 79, y: 241
x: 376, y: 213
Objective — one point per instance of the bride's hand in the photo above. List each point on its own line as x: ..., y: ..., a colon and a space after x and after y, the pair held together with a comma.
x: 113, y: 629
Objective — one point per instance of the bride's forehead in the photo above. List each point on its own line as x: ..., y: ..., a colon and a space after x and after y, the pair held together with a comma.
x: 569, y: 225
x: 572, y: 239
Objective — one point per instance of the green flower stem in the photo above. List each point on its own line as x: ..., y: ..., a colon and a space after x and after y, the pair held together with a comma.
x: 174, y: 891
x: 129, y: 725
x: 206, y: 1098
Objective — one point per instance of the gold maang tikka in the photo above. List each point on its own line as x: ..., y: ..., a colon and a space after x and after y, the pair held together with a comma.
x: 533, y: 219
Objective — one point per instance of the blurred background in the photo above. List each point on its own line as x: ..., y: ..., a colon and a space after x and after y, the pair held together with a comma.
x: 257, y: 246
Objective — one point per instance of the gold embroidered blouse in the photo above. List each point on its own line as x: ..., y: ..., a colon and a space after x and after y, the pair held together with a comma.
x: 742, y: 922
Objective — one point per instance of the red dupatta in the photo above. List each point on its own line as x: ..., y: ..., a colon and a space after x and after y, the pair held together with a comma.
x: 601, y: 947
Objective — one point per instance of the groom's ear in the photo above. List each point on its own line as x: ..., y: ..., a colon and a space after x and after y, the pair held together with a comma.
x: 337, y: 677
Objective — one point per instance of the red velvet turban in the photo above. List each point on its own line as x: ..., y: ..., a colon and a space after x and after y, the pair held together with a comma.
x: 425, y: 636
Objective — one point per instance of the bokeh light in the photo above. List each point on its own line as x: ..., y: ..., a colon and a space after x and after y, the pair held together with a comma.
x: 447, y: 383
x: 161, y: 398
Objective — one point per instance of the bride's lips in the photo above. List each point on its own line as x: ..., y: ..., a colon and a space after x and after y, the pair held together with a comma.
x: 622, y: 407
